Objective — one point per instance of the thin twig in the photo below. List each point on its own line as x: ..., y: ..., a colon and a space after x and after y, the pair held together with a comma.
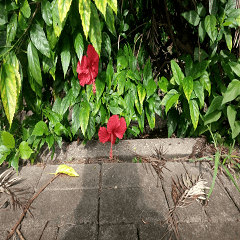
x: 20, y: 234
x: 43, y: 230
x: 28, y: 205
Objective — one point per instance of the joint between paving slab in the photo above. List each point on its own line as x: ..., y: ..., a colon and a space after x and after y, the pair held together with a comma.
x: 99, y: 195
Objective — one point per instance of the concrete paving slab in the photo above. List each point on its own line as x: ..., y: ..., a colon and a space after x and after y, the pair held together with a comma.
x: 211, y: 231
x: 128, y: 205
x: 75, y: 206
x: 123, y: 175
x: 153, y: 231
x: 76, y: 232
x: 118, y: 232
x: 88, y: 177
x: 33, y: 233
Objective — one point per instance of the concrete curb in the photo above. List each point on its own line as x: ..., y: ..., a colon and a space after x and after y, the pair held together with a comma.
x: 124, y: 150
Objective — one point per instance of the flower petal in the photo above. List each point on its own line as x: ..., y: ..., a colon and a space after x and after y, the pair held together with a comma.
x: 84, y: 79
x: 103, y: 135
x: 84, y: 65
x: 113, y: 123
x: 92, y: 55
x: 121, y: 129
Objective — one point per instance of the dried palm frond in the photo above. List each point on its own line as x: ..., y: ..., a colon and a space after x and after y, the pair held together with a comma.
x: 5, y: 187
x: 185, y: 191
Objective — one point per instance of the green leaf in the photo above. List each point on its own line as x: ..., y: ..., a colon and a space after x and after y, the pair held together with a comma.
x: 236, y: 129
x: 215, y: 104
x: 85, y: 13
x: 147, y: 73
x: 91, y: 127
x: 40, y: 129
x: 95, y: 34
x: 65, y: 55
x: 106, y: 43
x: 51, y: 36
x: 163, y: 84
x: 100, y: 86
x: 33, y: 62
x: 201, y: 31
x: 46, y: 9
x: 231, y: 114
x: 25, y: 150
x: 231, y: 177
x: 201, y: 10
x: 210, y: 26
x: 168, y: 96
x: 233, y: 90
x: 194, y: 112
x: 200, y: 68
x: 199, y: 91
x: 171, y: 101
x: 141, y: 93
x: 228, y: 37
x: 12, y: 29
x: 121, y: 80
x: 39, y: 39
x: 192, y: 17
x: 4, y: 152
x: 188, y: 87
x: 212, y: 117
x: 199, y: 54
x: 79, y: 45
x: 66, y: 102
x: 57, y: 105
x: 101, y: 5
x: 50, y: 141
x: 8, y: 139
x: 113, y: 5
x: 150, y: 117
x: 84, y: 116
x: 75, y: 87
x: 58, y: 129
x: 235, y: 66
x: 8, y: 89
x: 25, y: 8
x: 75, y: 118
x: 177, y: 72
x: 14, y: 162
x: 115, y: 110
x: 110, y: 20
x: 205, y: 81
x: 217, y: 157
x: 63, y: 8
x: 151, y: 87
x: 121, y: 63
x: 213, y: 7
x: 53, y: 117
x: 109, y: 74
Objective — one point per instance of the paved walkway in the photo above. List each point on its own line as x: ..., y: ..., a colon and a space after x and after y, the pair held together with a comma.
x: 120, y: 201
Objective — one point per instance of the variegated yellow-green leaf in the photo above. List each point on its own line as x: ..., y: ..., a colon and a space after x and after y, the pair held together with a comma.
x: 63, y: 8
x: 194, y: 112
x: 85, y: 13
x: 113, y: 5
x: 188, y: 87
x: 57, y: 24
x: 8, y: 91
x: 141, y: 93
x: 95, y: 30
x: 101, y: 5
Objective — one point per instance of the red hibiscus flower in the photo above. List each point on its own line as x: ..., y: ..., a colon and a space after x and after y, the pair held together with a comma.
x: 88, y: 68
x: 115, y: 128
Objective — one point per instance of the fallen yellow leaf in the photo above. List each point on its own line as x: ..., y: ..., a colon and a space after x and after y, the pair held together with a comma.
x: 66, y: 170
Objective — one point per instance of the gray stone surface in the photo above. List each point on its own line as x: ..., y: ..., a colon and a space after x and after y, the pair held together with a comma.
x: 121, y: 200
x: 118, y: 232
